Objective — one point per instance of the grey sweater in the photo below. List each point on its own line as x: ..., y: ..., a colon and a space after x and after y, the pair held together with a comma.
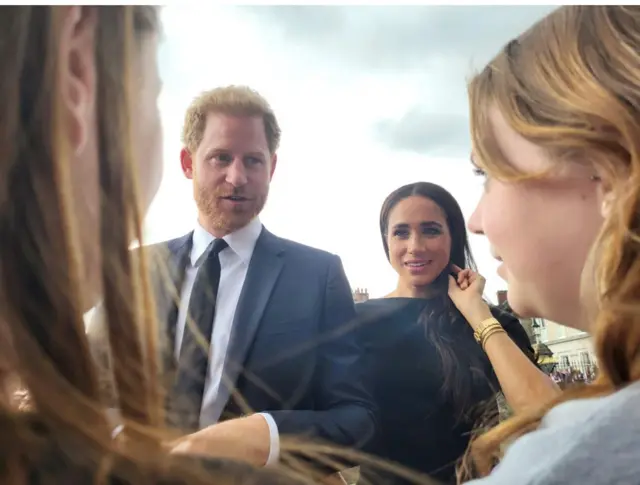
x: 585, y: 442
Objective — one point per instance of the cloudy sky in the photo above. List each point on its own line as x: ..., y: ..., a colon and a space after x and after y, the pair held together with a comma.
x: 369, y: 98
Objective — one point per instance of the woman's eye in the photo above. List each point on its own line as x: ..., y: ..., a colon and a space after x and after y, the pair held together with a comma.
x: 478, y: 172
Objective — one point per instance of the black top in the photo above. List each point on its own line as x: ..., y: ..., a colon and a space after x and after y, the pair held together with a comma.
x: 418, y: 426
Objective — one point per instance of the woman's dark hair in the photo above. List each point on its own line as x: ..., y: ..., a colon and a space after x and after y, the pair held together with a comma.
x: 442, y: 322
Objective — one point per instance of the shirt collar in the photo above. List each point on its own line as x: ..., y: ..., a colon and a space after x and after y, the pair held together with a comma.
x: 242, y: 242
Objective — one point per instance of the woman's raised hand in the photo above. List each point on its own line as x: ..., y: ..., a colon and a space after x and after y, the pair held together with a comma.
x: 465, y: 290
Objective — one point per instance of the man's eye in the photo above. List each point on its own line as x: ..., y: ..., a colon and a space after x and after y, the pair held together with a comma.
x: 222, y: 157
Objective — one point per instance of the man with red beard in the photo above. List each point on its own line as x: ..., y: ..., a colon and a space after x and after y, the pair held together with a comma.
x: 280, y: 358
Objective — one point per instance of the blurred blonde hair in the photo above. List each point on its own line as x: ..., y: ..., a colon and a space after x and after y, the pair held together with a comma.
x: 229, y: 100
x: 571, y: 84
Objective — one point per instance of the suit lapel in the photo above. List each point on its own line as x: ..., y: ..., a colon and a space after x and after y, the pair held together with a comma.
x: 264, y: 270
x: 169, y: 285
x: 170, y: 263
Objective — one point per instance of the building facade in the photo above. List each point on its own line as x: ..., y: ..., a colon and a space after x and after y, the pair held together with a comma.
x: 360, y: 295
x: 571, y: 348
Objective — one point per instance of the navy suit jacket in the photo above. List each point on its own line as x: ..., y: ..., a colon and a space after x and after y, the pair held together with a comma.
x: 292, y: 352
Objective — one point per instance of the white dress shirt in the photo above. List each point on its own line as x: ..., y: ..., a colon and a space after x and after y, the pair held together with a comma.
x: 234, y: 263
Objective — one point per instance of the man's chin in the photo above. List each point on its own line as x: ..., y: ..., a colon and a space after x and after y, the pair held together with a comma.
x: 235, y: 222
x: 228, y: 220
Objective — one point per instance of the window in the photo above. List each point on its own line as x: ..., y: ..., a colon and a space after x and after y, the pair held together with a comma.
x: 539, y: 329
x: 544, y: 337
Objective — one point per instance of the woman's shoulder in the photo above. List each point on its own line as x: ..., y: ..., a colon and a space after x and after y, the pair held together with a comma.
x: 385, y: 321
x: 386, y: 309
x: 389, y: 305
x: 588, y: 441
x: 506, y: 319
x: 375, y: 313
x: 376, y: 304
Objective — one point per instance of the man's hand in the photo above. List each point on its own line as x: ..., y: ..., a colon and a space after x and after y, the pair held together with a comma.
x: 245, y: 439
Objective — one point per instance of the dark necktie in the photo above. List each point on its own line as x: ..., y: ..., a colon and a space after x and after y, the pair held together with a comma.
x: 193, y: 360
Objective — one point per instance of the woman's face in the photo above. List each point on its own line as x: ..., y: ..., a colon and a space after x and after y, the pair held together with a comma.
x: 419, y: 241
x: 540, y: 230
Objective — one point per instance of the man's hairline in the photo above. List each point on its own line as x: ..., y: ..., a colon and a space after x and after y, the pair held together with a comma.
x: 222, y: 112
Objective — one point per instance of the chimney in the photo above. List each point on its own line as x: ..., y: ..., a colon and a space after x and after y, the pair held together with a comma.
x: 360, y: 295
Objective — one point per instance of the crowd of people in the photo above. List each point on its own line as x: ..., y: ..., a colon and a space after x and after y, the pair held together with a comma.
x: 230, y: 355
x: 571, y: 375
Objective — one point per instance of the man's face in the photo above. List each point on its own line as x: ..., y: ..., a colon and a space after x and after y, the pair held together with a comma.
x: 231, y: 172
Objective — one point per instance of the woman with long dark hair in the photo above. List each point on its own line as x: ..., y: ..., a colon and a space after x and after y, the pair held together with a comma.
x: 434, y: 380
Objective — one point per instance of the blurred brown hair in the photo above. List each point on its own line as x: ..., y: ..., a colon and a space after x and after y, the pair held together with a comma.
x: 64, y: 435
x: 571, y: 84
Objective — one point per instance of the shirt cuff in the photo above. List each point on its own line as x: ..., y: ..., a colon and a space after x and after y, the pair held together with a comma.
x: 274, y: 439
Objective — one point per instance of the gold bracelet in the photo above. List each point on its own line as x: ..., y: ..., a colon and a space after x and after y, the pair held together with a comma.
x: 485, y: 325
x: 489, y: 329
x: 486, y: 336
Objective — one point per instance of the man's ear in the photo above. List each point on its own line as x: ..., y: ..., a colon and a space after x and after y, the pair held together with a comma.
x: 186, y: 162
x: 77, y: 73
x: 274, y: 162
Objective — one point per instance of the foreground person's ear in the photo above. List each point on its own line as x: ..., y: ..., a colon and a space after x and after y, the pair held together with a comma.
x: 77, y: 73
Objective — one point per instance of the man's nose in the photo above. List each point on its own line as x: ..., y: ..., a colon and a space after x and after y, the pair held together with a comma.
x: 236, y: 173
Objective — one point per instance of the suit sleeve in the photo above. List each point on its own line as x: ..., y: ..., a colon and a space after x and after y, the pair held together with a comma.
x: 345, y: 412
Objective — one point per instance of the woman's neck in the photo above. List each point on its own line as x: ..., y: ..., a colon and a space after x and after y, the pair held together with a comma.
x: 403, y: 291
